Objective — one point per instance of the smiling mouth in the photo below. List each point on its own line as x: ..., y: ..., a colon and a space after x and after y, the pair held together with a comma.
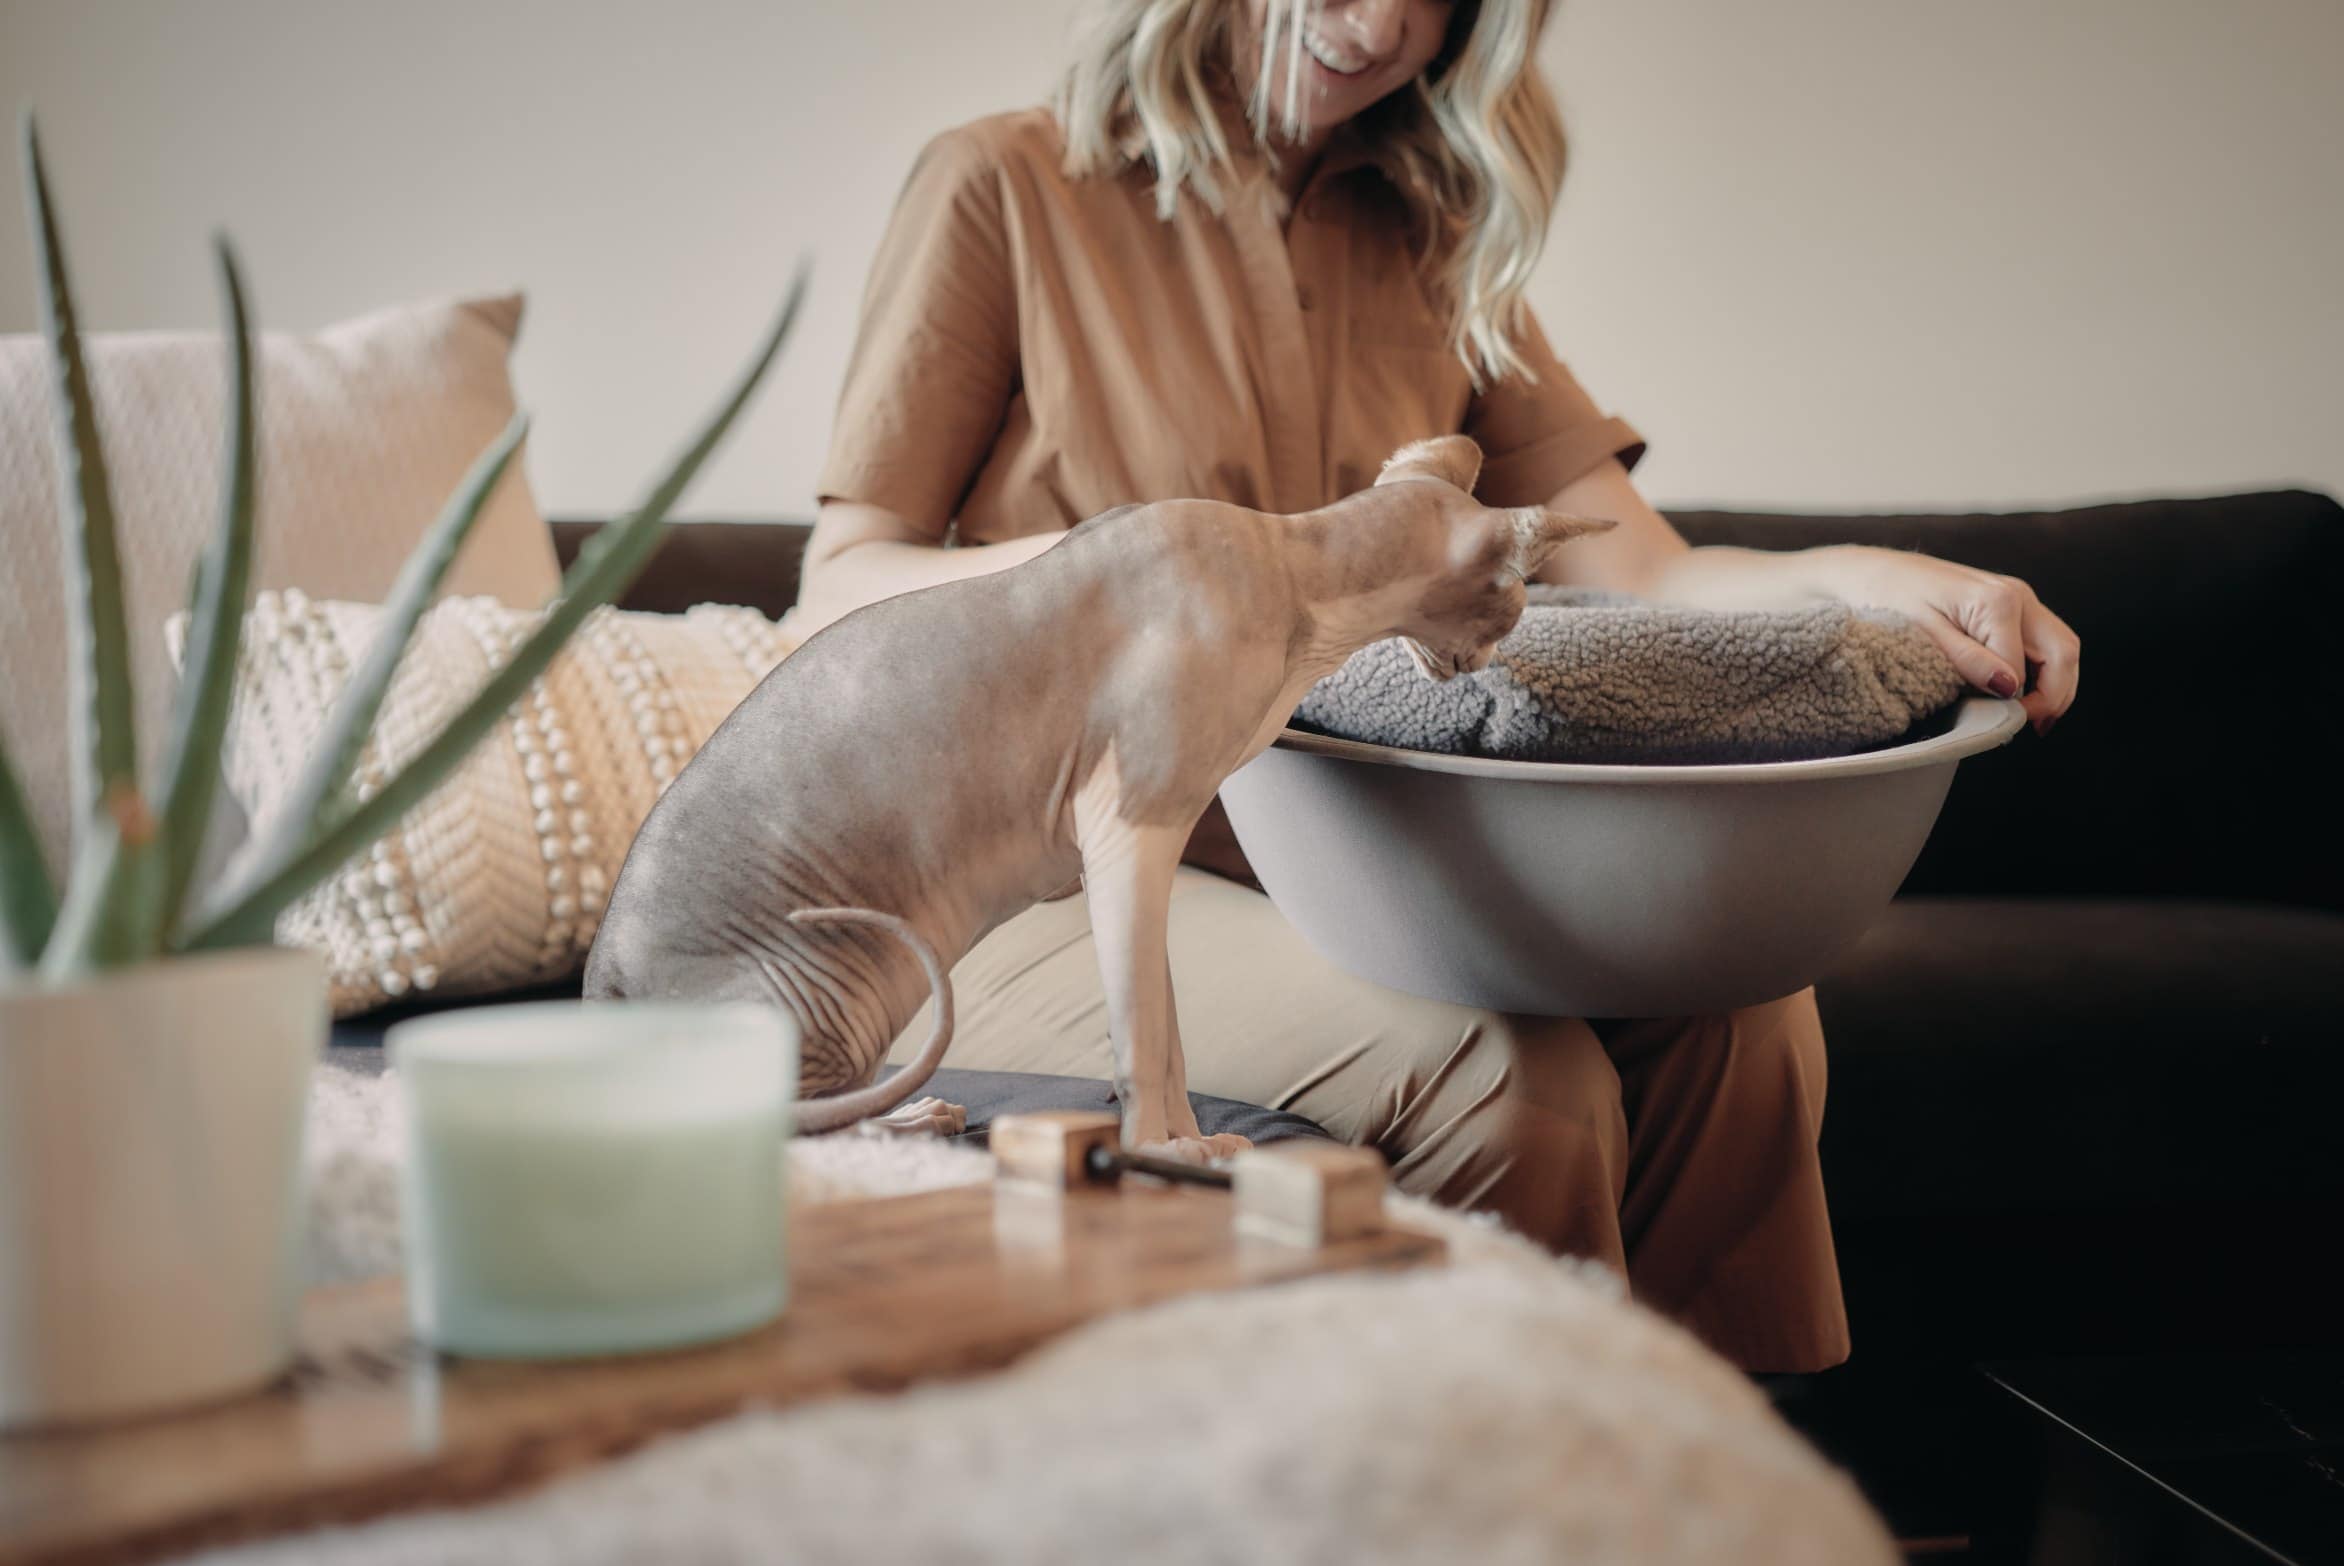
x: 1334, y: 60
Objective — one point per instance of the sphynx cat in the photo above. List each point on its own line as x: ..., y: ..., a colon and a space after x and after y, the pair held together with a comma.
x: 933, y: 764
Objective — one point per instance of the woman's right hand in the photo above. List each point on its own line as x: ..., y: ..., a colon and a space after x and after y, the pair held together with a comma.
x: 862, y: 553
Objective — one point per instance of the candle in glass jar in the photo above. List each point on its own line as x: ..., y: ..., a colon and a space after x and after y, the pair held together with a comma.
x: 594, y: 1177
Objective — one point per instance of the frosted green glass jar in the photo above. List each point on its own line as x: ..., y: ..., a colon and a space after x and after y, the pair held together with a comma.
x: 594, y: 1177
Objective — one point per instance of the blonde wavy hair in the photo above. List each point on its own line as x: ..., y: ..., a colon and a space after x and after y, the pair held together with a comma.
x: 1475, y: 144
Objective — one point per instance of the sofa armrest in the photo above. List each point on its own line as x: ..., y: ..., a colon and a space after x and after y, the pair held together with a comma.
x: 2201, y: 757
x: 716, y: 562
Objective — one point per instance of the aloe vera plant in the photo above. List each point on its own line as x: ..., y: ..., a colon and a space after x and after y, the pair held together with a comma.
x: 130, y: 893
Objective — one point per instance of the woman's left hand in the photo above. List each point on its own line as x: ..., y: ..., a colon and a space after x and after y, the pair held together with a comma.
x: 1996, y: 632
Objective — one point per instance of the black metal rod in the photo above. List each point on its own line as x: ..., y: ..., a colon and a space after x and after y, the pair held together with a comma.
x: 1105, y: 1163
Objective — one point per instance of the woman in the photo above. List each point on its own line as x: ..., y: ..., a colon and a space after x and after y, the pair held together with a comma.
x: 1193, y: 276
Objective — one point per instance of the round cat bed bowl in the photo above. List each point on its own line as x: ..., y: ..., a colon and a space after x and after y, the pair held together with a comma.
x: 1567, y: 889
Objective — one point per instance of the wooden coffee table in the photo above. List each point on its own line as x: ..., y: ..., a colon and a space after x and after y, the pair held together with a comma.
x: 884, y: 1294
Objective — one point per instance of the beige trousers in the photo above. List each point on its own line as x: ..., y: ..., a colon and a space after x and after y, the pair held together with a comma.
x: 1679, y: 1151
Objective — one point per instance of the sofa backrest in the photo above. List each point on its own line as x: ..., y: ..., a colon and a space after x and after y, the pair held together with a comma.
x: 717, y: 562
x: 2202, y: 760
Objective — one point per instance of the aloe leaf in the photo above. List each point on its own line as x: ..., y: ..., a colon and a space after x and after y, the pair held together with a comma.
x: 611, y: 559
x: 112, y: 912
x: 321, y: 782
x: 28, y: 900
x: 215, y: 623
x: 105, y: 754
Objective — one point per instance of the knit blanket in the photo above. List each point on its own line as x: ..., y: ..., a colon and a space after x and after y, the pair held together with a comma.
x: 1508, y: 1407
x: 1598, y: 677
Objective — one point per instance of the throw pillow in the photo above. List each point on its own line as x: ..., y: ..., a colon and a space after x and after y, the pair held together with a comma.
x: 365, y: 429
x: 497, y: 879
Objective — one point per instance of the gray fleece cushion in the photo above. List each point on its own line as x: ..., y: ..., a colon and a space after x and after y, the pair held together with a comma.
x: 1598, y: 677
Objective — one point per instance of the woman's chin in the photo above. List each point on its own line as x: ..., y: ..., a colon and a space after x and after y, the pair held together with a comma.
x: 1330, y: 99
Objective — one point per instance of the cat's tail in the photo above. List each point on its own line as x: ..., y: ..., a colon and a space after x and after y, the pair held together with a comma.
x: 817, y: 1115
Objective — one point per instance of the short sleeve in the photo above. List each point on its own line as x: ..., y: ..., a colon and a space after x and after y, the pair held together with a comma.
x: 936, y: 351
x: 1537, y: 436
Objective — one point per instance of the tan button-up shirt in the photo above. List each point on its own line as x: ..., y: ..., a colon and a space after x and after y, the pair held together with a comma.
x: 1035, y: 349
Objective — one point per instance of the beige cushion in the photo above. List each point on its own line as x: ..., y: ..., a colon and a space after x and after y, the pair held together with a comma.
x: 365, y: 429
x: 497, y: 879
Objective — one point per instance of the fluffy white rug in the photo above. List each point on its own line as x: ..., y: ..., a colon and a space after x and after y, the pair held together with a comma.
x: 1506, y: 1408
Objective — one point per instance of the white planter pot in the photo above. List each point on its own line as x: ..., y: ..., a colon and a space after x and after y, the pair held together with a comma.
x: 150, y: 1183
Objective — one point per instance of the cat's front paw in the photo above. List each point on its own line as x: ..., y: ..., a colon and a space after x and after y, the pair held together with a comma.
x: 1195, y: 1149
x: 920, y: 1117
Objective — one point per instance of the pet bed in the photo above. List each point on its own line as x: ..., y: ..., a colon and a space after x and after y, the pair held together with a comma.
x: 1588, y: 676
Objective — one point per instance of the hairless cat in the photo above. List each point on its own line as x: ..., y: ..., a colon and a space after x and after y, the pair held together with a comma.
x: 933, y: 764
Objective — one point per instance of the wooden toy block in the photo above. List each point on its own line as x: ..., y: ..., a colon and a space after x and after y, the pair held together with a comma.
x: 1309, y: 1193
x: 1053, y: 1147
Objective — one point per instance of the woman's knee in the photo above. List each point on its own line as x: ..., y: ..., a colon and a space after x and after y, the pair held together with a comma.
x: 1763, y: 1051
x: 1777, y: 1046
x: 1444, y: 1061
x: 1521, y: 1117
x: 1494, y: 1097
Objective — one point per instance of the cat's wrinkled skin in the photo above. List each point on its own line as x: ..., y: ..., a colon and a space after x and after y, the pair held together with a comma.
x: 934, y: 764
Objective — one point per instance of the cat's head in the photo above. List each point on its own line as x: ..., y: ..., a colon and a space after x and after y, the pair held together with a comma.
x: 1474, y: 560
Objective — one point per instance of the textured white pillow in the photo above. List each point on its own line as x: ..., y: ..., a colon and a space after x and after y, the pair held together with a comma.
x: 497, y: 879
x: 365, y: 429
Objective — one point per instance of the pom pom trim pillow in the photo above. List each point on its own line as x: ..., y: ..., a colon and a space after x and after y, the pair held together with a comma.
x: 497, y: 879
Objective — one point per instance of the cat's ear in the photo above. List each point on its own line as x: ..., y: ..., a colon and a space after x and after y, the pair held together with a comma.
x: 1453, y: 459
x: 1540, y: 530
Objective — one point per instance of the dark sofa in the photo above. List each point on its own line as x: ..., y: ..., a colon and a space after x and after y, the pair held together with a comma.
x: 2086, y: 1074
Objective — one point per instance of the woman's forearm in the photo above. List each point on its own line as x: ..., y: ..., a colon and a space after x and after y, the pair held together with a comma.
x: 867, y: 572
x: 1719, y: 576
x: 861, y: 554
x: 1645, y: 556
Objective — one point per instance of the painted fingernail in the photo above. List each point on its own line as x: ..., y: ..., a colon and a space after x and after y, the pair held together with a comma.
x: 2002, y: 685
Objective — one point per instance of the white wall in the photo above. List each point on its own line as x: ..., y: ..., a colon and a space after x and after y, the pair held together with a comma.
x: 1826, y: 252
